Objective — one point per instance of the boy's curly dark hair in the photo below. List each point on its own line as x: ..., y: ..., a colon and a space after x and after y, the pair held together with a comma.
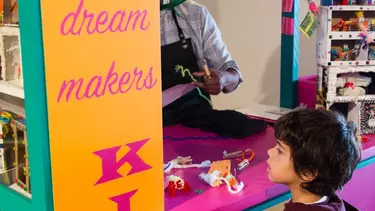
x: 322, y: 144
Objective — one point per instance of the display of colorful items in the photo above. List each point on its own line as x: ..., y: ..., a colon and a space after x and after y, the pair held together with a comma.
x: 345, y: 39
x: 219, y: 173
x: 13, y: 148
x: 346, y: 65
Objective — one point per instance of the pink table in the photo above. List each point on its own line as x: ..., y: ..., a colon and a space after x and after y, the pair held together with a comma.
x: 258, y: 188
x: 360, y: 189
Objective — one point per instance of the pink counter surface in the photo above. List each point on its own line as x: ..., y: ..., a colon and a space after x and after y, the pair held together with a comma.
x: 360, y: 189
x: 257, y: 189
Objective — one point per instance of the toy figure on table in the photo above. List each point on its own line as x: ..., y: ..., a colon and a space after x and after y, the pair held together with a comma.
x: 242, y: 156
x: 244, y: 161
x: 220, y: 174
x: 175, y: 184
x: 183, y: 163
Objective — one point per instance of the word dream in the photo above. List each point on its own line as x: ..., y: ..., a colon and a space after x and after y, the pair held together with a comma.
x: 78, y: 22
x: 81, y: 22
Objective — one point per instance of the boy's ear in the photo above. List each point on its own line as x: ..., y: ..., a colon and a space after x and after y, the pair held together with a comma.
x: 309, y: 176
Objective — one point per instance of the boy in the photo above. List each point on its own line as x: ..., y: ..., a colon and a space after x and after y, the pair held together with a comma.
x: 315, y: 155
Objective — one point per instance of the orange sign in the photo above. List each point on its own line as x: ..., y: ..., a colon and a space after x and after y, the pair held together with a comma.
x: 104, y: 104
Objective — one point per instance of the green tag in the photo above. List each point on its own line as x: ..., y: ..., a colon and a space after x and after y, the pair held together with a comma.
x: 309, y: 24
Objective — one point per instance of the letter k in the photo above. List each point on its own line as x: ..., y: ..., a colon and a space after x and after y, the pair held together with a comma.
x: 110, y: 165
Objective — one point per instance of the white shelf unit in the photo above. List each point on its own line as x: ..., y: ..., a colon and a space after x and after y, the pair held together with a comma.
x: 330, y: 40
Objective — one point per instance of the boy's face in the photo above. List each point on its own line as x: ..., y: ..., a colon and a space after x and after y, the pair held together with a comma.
x: 280, y: 165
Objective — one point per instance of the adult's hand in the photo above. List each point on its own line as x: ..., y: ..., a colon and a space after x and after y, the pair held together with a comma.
x: 214, y: 84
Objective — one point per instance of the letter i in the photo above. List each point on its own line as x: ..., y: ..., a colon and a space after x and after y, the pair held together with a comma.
x: 123, y: 200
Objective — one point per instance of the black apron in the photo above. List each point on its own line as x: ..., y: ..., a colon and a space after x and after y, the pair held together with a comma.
x: 191, y: 104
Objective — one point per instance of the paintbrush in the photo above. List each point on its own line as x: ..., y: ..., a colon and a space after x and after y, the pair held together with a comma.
x: 206, y: 70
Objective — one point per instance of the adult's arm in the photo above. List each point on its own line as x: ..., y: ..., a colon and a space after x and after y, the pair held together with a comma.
x: 216, y: 53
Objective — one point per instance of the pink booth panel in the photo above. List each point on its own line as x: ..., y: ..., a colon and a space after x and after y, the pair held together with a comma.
x: 306, y: 92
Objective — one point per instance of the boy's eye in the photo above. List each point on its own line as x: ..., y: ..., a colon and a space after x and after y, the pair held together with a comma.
x: 278, y: 151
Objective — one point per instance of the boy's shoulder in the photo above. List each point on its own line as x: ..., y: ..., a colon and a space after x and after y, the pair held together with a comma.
x: 333, y: 203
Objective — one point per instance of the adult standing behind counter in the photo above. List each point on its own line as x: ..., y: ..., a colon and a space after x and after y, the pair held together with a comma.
x: 190, y: 38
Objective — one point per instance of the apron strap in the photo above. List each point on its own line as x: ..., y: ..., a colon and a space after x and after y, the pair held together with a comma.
x: 171, y: 5
x: 181, y: 35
